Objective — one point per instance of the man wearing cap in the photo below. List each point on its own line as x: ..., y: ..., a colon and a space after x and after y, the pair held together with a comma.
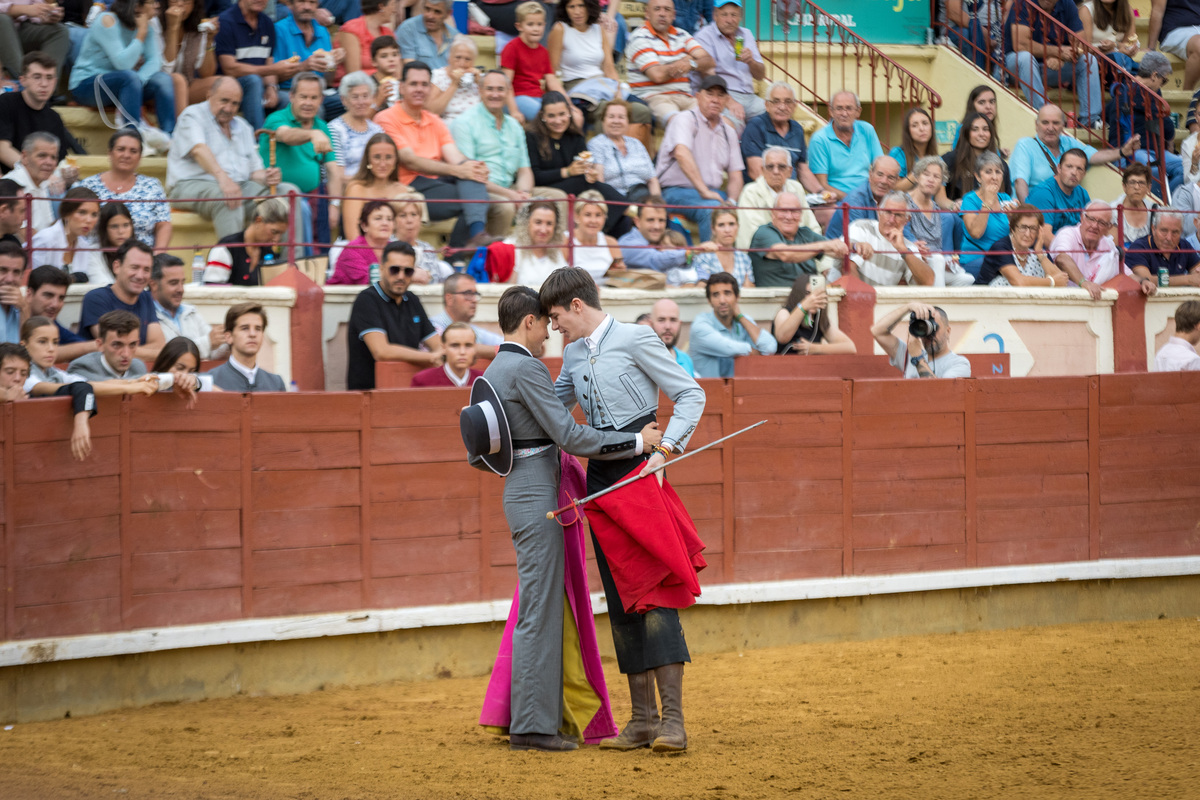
x: 740, y: 64
x: 697, y: 153
x: 537, y: 425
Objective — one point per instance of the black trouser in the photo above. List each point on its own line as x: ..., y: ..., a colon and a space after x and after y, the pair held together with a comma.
x: 617, y: 223
x: 82, y: 397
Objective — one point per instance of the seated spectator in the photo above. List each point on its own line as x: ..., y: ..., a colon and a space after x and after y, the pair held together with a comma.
x: 12, y: 211
x: 31, y: 28
x: 1135, y: 211
x: 410, y: 211
x: 900, y: 351
x: 180, y: 358
x: 777, y: 128
x: 648, y: 247
x: 245, y: 330
x: 29, y: 110
x: 301, y: 38
x: 35, y: 175
x: 840, y: 154
x: 975, y: 28
x: 1127, y: 111
x: 720, y: 254
x: 527, y: 64
x: 1162, y: 249
x: 983, y: 213
x: 485, y: 133
x: 1175, y: 27
x: 783, y: 250
x: 865, y: 198
x: 131, y: 276
x: 1062, y: 196
x: 963, y: 160
x: 725, y: 333
x: 113, y: 230
x: 1028, y: 262
x: 186, y: 56
x: 699, y: 153
x: 659, y: 58
x: 351, y: 132
x: 385, y: 53
x: 460, y: 299
x: 756, y: 200
x: 180, y: 320
x: 538, y: 241
x: 376, y: 224
x: 593, y: 251
x: 925, y: 224
x: 1179, y: 353
x: 1035, y: 158
x: 13, y: 304
x: 555, y: 146
x: 356, y: 35
x: 916, y: 142
x: 388, y: 323
x: 14, y: 371
x: 1031, y: 52
x: 455, y: 87
x: 1113, y: 31
x: 627, y: 164
x: 114, y: 359
x: 214, y: 161
x: 738, y: 63
x: 1085, y: 252
x: 458, y: 343
x: 431, y: 163
x: 879, y: 253
x: 238, y: 257
x: 122, y: 181
x: 245, y: 47
x: 303, y: 147
x: 71, y: 243
x: 664, y: 319
x: 426, y: 37
x: 802, y: 328
x: 121, y: 63
x: 47, y: 294
x: 377, y: 178
x: 982, y: 100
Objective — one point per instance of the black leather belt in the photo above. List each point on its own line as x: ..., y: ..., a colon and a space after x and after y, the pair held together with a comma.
x: 519, y: 444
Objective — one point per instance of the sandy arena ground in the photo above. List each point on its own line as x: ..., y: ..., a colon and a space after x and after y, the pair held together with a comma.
x: 1082, y: 711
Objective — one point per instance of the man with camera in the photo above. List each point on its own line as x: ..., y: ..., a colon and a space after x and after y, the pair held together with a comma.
x: 925, y: 351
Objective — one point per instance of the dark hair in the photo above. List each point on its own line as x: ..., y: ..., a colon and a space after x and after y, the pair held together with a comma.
x: 191, y: 23
x: 11, y: 193
x: 126, y: 11
x: 118, y: 322
x: 541, y: 133
x: 454, y: 281
x: 458, y: 326
x: 371, y: 6
x: 364, y: 174
x: 1135, y: 169
x: 132, y: 133
x: 173, y: 351
x: 403, y: 248
x: 163, y: 261
x: 413, y: 65
x: 564, y: 285
x: 14, y: 350
x: 39, y: 57
x: 909, y: 146
x: 975, y: 94
x: 33, y: 323
x: 371, y: 207
x: 382, y: 43
x: 653, y: 201
x: 1025, y: 210
x: 593, y: 12
x: 644, y: 319
x: 74, y: 198
x: 723, y: 277
x: 133, y: 243
x: 517, y: 303
x: 108, y: 211
x: 1120, y: 19
x: 797, y: 295
x: 47, y: 275
x: 963, y: 157
x: 241, y: 310
x: 1074, y: 151
x: 10, y: 249
x: 1187, y: 316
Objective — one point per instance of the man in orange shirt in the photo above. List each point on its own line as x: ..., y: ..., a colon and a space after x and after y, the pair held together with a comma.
x: 432, y: 164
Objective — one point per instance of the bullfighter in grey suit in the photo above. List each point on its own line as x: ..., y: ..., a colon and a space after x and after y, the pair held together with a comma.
x: 614, y: 370
x: 538, y: 422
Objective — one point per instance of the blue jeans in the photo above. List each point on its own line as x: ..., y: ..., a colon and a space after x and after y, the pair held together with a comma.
x: 528, y: 106
x: 970, y: 42
x: 688, y: 196
x: 1174, y: 167
x: 131, y: 93
x: 252, y: 100
x: 1084, y: 74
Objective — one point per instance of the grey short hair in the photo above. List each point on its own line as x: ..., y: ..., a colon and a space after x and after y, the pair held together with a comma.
x: 897, y: 196
x: 780, y: 85
x: 857, y: 102
x: 446, y: 4
x: 1100, y: 204
x: 1154, y: 63
x: 1160, y: 214
x: 988, y: 159
x: 355, y: 80
x: 39, y: 137
x: 272, y: 210
x: 308, y: 76
x: 777, y: 149
x: 779, y: 198
x: 924, y: 164
x: 463, y: 41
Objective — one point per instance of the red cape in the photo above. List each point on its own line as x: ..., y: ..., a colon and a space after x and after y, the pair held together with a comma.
x: 651, y: 545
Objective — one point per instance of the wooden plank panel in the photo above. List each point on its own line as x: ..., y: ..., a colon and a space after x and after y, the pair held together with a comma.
x: 426, y: 590
x: 306, y: 450
x: 214, y: 411
x: 182, y: 570
x: 1033, y: 551
x: 711, y: 575
x: 1008, y: 427
x: 276, y: 530
x: 75, y: 540
x: 296, y: 489
x: 186, y: 491
x: 41, y: 462
x: 417, y: 445
x: 1033, y: 394
x: 430, y: 556
x: 68, y: 619
x: 770, y: 463
x: 909, y: 559
x: 185, y: 608
x: 786, y: 565
x: 49, y: 419
x: 68, y: 582
x: 1123, y: 422
x: 884, y: 397
x: 307, y: 411
x: 184, y: 451
x: 1128, y: 486
x: 417, y: 409
x: 1148, y: 452
x: 1019, y: 524
x: 712, y: 534
x: 1061, y: 458
x: 787, y: 498
x: 709, y: 429
x: 82, y: 498
x: 772, y: 396
x: 1132, y: 543
x: 1149, y: 390
x: 394, y: 483
x: 787, y: 430
x: 417, y: 518
x: 1141, y: 517
x: 1033, y: 491
x: 909, y: 529
x: 907, y: 430
x: 272, y: 601
x: 705, y: 468
x: 501, y: 552
x: 893, y: 497
x: 306, y: 566
x: 800, y: 532
x: 165, y: 531
x: 903, y: 463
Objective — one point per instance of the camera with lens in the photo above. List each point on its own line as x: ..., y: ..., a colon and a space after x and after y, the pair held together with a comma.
x: 921, y: 328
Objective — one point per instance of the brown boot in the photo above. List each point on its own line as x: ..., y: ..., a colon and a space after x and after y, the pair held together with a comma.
x: 643, y: 723
x: 672, y: 738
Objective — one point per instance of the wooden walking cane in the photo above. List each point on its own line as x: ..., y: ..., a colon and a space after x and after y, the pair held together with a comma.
x: 270, y: 149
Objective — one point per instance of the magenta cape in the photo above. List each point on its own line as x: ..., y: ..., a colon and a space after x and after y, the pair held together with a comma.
x: 497, y: 703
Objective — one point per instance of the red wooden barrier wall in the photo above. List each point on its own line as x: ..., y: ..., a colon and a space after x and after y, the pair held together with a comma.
x: 251, y: 506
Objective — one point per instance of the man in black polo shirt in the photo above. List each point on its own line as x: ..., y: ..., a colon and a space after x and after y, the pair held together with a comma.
x: 1162, y: 248
x: 28, y: 111
x: 389, y: 324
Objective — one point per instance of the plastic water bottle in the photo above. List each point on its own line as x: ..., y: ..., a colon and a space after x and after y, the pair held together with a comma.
x: 375, y: 273
x: 268, y: 259
x: 197, y: 267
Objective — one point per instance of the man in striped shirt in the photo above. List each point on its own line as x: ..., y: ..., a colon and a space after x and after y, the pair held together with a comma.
x: 660, y: 58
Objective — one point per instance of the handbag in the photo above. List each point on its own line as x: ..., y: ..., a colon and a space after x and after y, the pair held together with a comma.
x: 645, y: 279
x: 155, y: 141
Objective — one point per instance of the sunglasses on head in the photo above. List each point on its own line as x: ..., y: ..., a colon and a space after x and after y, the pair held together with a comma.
x: 408, y: 271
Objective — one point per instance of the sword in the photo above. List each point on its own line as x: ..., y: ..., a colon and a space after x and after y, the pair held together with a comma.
x: 575, y: 503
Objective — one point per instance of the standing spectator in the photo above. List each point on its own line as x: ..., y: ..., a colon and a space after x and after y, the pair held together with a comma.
x: 245, y: 330
x: 527, y: 63
x: 1135, y: 211
x: 739, y: 64
x: 458, y: 343
x: 1031, y: 52
x: 1023, y: 259
x: 1175, y: 29
x: 175, y: 317
x: 756, y: 200
x: 29, y: 110
x: 719, y: 255
x: 114, y: 228
x: 426, y: 37
x: 803, y: 328
x: 377, y: 179
x: 963, y: 161
x: 880, y: 255
x: 121, y: 60
x: 1179, y: 353
x: 776, y: 128
x: 783, y: 250
x: 71, y: 243
x: 916, y: 142
x: 124, y: 183
x: 456, y: 86
x: 131, y: 276
x: 460, y: 299
x: 866, y: 197
x: 593, y: 251
x: 238, y: 257
x: 1128, y: 111
x: 13, y: 304
x: 351, y: 132
x: 300, y: 37
x: 839, y: 153
x: 35, y: 175
x: 647, y: 245
x: 1035, y: 158
x: 1162, y: 250
x: 376, y: 224
x: 983, y: 213
x: 660, y: 57
x: 31, y: 28
x: 47, y: 293
x: 357, y: 34
x: 664, y: 319
x: 187, y: 57
x: 388, y: 323
x: 699, y: 154
x: 911, y: 354
x: 975, y: 29
x: 214, y: 158
x: 1062, y: 196
x: 12, y: 211
x: 627, y: 164
x: 245, y: 44
x: 725, y: 333
x: 1085, y: 252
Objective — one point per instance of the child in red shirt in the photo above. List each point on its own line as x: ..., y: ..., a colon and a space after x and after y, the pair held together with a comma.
x: 527, y: 64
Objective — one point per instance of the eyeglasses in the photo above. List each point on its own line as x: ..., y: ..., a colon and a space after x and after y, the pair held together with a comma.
x: 777, y: 168
x: 408, y: 271
x: 470, y: 294
x: 1025, y: 228
x: 1098, y: 223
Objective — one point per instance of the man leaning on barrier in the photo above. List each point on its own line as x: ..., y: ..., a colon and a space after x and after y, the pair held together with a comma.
x: 1162, y: 249
x: 924, y: 350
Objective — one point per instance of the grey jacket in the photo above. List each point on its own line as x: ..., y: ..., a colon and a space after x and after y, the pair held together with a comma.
x: 91, y: 367
x: 620, y: 383
x: 229, y: 379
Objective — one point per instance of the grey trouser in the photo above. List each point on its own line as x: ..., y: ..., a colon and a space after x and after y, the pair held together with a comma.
x: 15, y: 42
x: 226, y: 220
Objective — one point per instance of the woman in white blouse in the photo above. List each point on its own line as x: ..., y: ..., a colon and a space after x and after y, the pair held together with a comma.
x: 455, y: 87
x: 538, y: 238
x: 628, y: 167
x: 71, y: 243
x: 592, y: 250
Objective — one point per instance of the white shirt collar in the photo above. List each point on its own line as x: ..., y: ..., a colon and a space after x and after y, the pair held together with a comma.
x: 110, y: 369
x: 457, y: 381
x: 518, y: 344
x: 248, y: 372
x: 593, y: 341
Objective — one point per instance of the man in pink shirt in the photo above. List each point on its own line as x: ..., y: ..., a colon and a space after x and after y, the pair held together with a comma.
x: 1086, y: 252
